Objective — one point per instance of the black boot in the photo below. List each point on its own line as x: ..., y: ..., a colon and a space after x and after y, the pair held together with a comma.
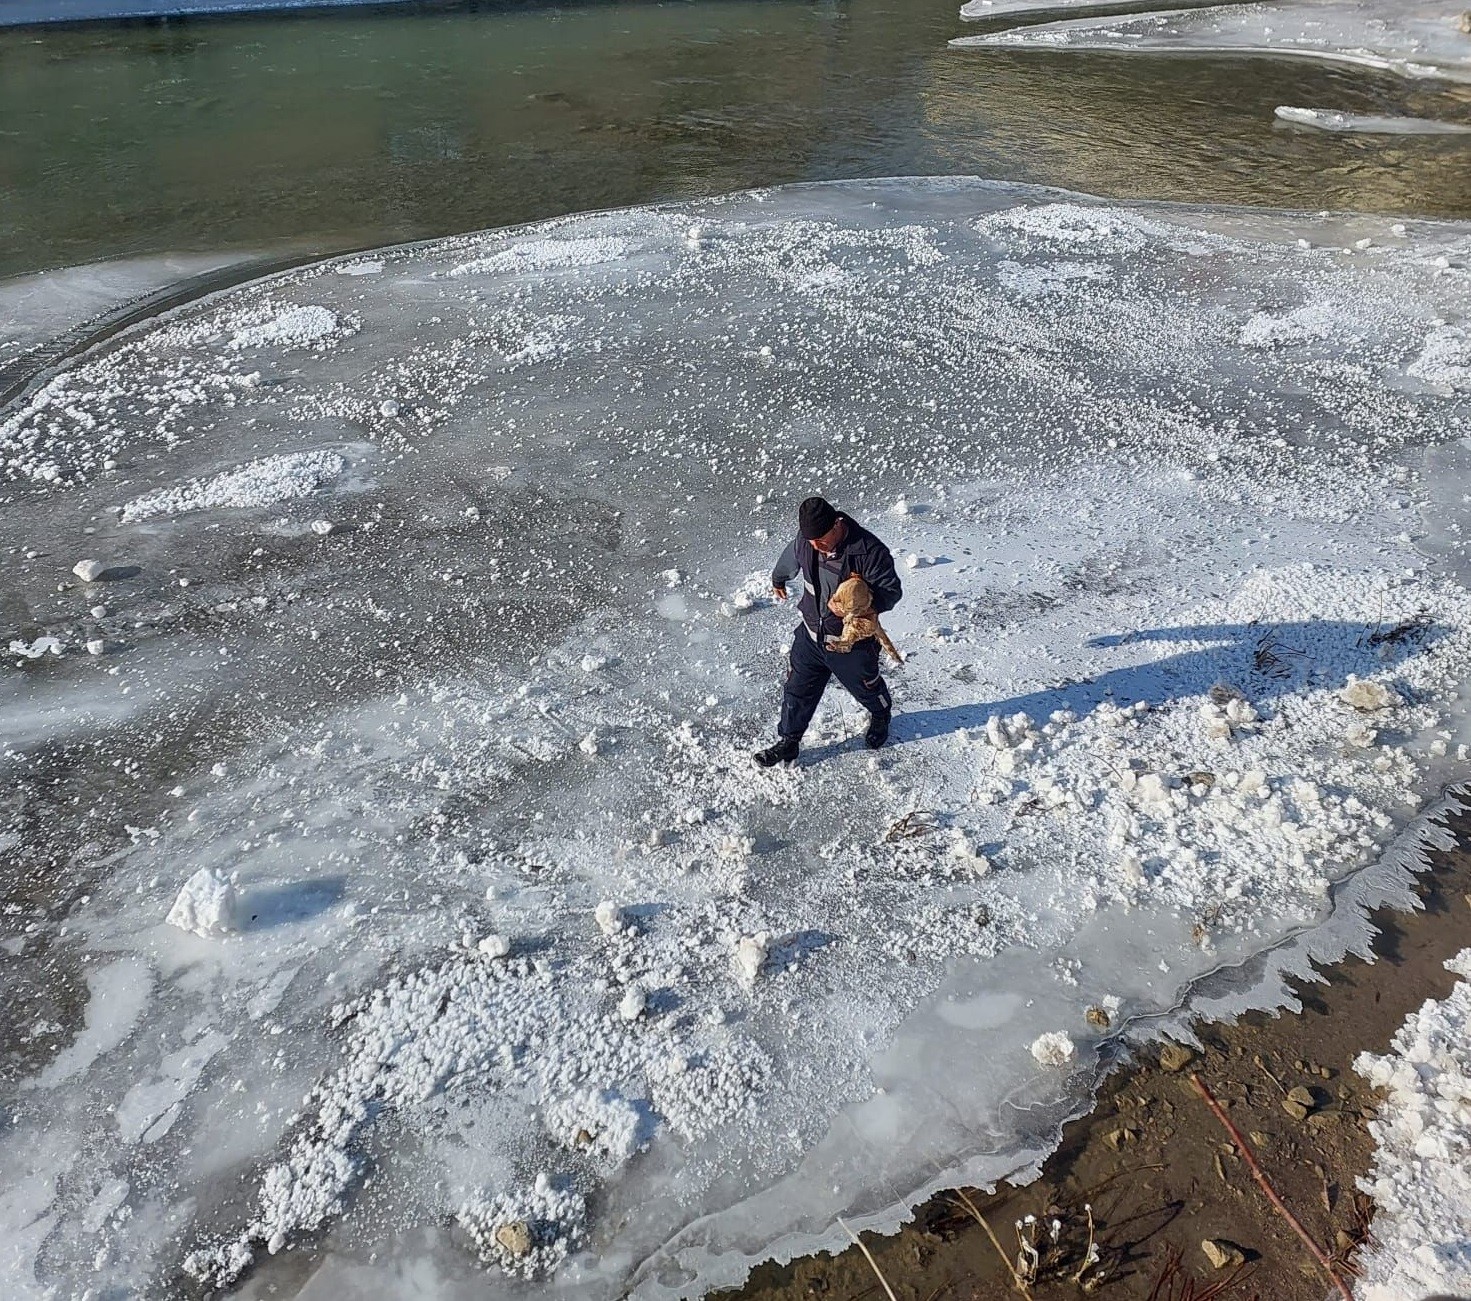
x: 878, y: 729
x: 784, y: 751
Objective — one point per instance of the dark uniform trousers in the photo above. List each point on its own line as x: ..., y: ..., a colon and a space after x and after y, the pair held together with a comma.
x: 809, y: 667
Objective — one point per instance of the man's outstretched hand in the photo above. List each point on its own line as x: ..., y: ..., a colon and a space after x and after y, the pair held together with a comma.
x: 780, y: 593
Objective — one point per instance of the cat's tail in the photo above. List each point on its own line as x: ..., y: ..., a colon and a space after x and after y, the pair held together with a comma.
x: 886, y: 643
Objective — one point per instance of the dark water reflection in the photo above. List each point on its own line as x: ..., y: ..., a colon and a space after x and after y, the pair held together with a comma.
x: 346, y: 129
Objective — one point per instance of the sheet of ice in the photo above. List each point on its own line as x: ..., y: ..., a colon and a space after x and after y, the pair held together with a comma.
x: 1327, y: 119
x: 1411, y: 38
x: 21, y: 13
x: 513, y: 692
x: 1421, y: 1181
x: 118, y: 995
x: 978, y: 10
x: 36, y: 308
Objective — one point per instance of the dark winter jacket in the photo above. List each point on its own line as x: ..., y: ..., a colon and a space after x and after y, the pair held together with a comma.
x: 861, y: 553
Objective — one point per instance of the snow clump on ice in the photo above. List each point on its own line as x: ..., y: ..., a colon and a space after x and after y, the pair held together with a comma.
x: 527, y: 1234
x: 1302, y: 324
x: 287, y: 327
x: 633, y: 1004
x: 258, y: 483
x: 609, y: 917
x: 1055, y: 1048
x: 1367, y: 695
x: 494, y: 947
x: 601, y: 1122
x: 1421, y: 1180
x: 750, y: 955
x: 33, y: 650
x: 89, y: 571
x: 1445, y: 360
x: 206, y: 906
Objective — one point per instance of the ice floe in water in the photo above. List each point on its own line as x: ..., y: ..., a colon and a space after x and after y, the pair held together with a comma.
x: 1327, y: 119
x: 1421, y: 1181
x: 977, y: 10
x: 531, y: 971
x: 1412, y: 38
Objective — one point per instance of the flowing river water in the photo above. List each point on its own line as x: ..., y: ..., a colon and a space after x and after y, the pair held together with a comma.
x: 313, y: 133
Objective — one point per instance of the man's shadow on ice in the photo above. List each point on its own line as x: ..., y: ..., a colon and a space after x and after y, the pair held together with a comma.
x: 1265, y: 661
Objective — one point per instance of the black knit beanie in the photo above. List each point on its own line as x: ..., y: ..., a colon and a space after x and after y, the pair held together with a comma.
x: 815, y: 516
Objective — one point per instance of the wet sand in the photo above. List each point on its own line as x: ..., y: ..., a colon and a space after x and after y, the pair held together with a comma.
x: 1161, y: 1174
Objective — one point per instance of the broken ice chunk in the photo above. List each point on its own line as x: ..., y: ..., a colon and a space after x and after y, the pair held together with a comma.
x: 89, y: 571
x: 965, y: 850
x: 750, y: 954
x: 494, y: 946
x: 1055, y: 1048
x: 633, y: 1003
x: 34, y: 650
x: 206, y: 906
x: 1367, y: 695
x: 736, y: 847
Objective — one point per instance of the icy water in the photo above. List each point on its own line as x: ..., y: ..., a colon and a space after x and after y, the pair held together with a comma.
x: 392, y: 876
x: 341, y: 130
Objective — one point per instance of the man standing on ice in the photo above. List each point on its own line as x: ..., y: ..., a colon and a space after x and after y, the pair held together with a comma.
x: 828, y: 547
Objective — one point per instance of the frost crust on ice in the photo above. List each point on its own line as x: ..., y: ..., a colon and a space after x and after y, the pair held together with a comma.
x: 1421, y: 1180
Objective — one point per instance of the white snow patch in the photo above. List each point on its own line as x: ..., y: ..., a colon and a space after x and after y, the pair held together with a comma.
x: 33, y: 650
x: 1421, y: 1180
x: 1445, y: 360
x: 260, y: 483
x: 602, y: 1122
x: 288, y: 327
x: 1273, y: 330
x: 551, y: 1214
x: 546, y: 255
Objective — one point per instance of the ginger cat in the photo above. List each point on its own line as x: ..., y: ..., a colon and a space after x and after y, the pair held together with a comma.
x: 855, y: 603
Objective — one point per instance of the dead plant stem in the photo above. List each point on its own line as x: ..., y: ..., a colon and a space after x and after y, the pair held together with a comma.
x: 1246, y: 1153
x: 1016, y: 1278
x: 868, y: 1255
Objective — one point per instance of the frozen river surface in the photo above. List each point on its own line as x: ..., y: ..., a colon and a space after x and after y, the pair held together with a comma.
x: 432, y: 637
